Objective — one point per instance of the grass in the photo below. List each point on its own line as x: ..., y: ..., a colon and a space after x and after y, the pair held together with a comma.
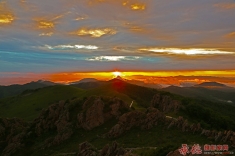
x: 137, y: 139
x: 28, y: 106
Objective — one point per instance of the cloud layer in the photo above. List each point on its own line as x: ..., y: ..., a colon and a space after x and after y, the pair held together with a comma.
x: 103, y: 35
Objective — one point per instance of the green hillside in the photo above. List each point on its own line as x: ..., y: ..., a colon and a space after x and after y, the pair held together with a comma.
x: 12, y: 90
x: 214, y: 94
x: 29, y: 104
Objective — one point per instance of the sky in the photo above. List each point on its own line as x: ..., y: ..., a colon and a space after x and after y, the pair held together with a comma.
x: 66, y: 40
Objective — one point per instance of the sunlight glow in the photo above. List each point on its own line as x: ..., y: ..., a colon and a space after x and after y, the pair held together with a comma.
x: 116, y: 73
x: 149, y: 77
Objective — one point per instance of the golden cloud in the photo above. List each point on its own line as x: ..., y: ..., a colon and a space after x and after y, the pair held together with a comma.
x: 230, y: 35
x: 225, y: 6
x: 6, y: 16
x: 6, y: 19
x: 49, y: 21
x: 95, y: 32
x: 45, y: 25
x: 132, y: 4
x: 134, y: 28
x: 138, y: 6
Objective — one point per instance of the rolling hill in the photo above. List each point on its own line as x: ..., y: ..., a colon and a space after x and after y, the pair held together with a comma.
x: 210, y: 91
x: 12, y: 90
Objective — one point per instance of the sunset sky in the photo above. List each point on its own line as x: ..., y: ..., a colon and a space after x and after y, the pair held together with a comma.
x: 66, y: 40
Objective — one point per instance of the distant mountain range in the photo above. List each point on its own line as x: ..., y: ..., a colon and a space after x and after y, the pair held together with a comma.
x: 210, y: 84
x: 208, y: 90
x: 16, y: 89
x: 213, y: 91
x: 84, y: 81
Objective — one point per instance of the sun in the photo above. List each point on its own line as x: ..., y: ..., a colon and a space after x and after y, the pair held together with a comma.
x: 116, y: 73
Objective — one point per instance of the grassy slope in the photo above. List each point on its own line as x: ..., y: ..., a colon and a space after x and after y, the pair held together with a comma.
x: 28, y: 106
x: 6, y: 91
x: 205, y: 93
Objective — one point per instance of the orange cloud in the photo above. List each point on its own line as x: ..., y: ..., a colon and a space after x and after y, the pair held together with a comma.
x: 70, y: 77
x: 95, y: 32
x: 148, y: 31
x: 225, y: 6
x: 131, y: 4
x: 138, y: 6
x: 6, y: 15
x: 157, y: 77
x: 230, y: 35
x: 6, y: 19
x: 45, y: 24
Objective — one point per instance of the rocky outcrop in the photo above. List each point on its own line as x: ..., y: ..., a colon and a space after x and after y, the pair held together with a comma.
x: 165, y: 103
x: 96, y: 112
x: 125, y: 123
x: 86, y: 149
x: 93, y: 116
x: 48, y: 118
x: 12, y: 132
x: 112, y: 150
x: 226, y: 136
x: 149, y: 119
x: 182, y: 124
x: 134, y: 119
x: 56, y: 118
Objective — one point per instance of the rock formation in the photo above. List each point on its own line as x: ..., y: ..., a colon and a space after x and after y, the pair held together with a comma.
x: 113, y: 149
x: 96, y: 112
x: 12, y: 132
x: 165, y: 103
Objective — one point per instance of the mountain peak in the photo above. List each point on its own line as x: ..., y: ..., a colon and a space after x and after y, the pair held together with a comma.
x: 85, y: 80
x: 210, y: 84
x: 119, y: 77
